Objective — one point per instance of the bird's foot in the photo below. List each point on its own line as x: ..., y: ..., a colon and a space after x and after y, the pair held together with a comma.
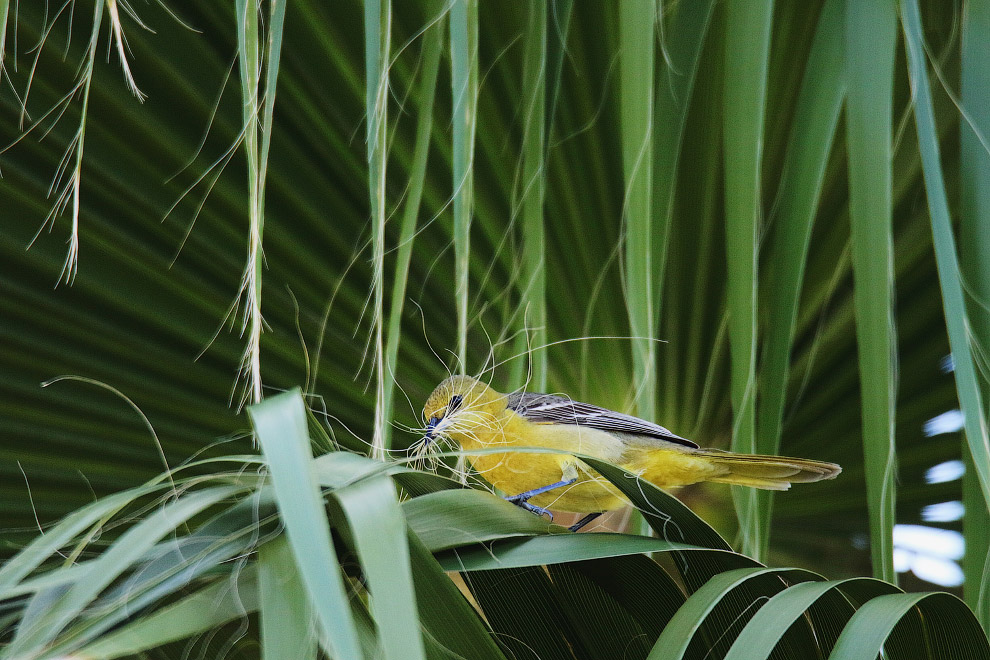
x: 522, y: 499
x: 538, y: 510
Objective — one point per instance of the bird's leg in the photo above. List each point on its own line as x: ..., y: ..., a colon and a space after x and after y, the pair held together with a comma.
x: 584, y: 521
x: 522, y: 499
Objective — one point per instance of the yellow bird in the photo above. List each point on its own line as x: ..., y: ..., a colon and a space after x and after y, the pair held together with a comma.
x: 477, y: 417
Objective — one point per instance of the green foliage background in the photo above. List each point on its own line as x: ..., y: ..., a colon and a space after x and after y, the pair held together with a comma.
x: 607, y: 251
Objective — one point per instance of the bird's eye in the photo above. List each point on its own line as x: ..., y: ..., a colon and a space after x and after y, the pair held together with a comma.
x: 454, y: 403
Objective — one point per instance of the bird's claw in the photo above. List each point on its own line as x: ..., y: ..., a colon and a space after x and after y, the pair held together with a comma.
x: 538, y: 510
x: 522, y: 499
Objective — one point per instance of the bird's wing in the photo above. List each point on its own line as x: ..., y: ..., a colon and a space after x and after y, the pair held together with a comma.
x: 556, y: 409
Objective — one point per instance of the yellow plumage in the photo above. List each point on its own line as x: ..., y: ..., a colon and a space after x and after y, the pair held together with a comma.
x: 477, y: 417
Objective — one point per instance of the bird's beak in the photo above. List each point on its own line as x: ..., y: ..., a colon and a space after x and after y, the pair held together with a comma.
x: 430, y: 427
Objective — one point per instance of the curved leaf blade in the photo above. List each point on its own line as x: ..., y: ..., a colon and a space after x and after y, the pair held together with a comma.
x: 282, y: 429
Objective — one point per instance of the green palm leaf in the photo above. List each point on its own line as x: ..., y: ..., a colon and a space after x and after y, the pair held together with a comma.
x: 710, y: 286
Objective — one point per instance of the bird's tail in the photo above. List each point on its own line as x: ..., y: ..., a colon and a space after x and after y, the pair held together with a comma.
x: 766, y: 472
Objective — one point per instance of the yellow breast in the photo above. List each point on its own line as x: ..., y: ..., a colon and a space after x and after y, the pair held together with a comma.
x: 514, y: 472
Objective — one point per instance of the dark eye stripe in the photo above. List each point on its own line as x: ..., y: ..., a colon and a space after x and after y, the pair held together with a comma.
x: 455, y: 403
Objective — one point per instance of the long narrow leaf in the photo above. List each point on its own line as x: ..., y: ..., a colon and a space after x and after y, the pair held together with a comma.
x: 448, y: 619
x: 602, y: 623
x: 637, y: 20
x: 281, y: 426
x: 377, y: 37
x: 871, y: 34
x: 974, y: 235
x: 873, y: 623
x: 640, y: 585
x: 199, y: 613
x: 249, y: 66
x: 953, y: 301
x: 34, y: 634
x: 172, y: 565
x: 674, y: 89
x: 533, y: 184
x: 747, y: 46
x: 677, y: 636
x: 286, y: 616
x: 4, y: 9
x: 380, y: 539
x: 44, y: 545
x: 544, y: 633
x: 764, y: 631
x: 452, y: 518
x: 668, y: 516
x: 539, y: 550
x: 815, y: 122
x: 432, y: 49
x: 464, y: 88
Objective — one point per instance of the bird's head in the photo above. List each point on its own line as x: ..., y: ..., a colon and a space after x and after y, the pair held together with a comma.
x: 460, y: 407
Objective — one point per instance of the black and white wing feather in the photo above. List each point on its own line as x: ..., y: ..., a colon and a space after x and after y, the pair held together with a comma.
x: 556, y: 409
